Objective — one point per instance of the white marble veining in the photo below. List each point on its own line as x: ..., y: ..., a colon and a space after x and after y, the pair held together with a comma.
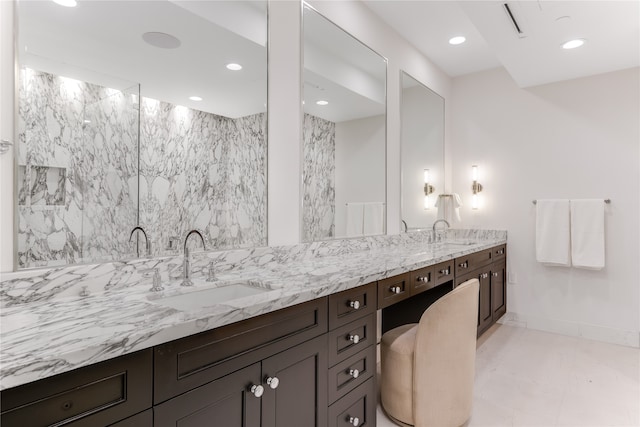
x: 77, y: 162
x: 47, y: 327
x: 319, y: 154
x: 202, y: 171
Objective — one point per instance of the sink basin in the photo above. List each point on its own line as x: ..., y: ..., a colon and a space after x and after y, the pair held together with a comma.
x: 200, y: 298
x: 460, y: 243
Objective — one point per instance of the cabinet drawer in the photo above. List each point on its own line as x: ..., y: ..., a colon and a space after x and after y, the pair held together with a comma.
x: 190, y: 362
x: 100, y: 394
x: 393, y: 289
x: 349, y: 339
x: 470, y: 262
x: 349, y: 305
x: 350, y: 373
x: 422, y: 280
x: 499, y: 252
x: 360, y: 404
x: 443, y: 272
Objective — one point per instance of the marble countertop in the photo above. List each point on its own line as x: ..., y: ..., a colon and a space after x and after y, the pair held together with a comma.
x: 46, y: 337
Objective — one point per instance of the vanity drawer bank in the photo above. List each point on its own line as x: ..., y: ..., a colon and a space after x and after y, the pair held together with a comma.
x: 223, y: 351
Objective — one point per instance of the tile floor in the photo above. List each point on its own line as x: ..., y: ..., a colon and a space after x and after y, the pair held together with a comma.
x: 532, y: 378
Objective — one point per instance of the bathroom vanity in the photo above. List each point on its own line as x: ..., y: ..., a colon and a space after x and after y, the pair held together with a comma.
x: 302, y: 353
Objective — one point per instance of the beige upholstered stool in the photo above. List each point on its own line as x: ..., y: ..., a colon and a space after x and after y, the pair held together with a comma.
x: 428, y: 368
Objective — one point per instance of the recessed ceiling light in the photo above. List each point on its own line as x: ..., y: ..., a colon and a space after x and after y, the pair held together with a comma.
x: 457, y: 40
x: 322, y: 102
x: 234, y: 67
x: 195, y: 98
x: 66, y: 3
x: 572, y: 44
x: 161, y: 40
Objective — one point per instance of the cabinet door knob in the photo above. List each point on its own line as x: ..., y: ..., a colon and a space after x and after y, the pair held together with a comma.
x: 354, y: 304
x: 395, y: 289
x: 423, y: 279
x: 495, y: 274
x: 273, y: 382
x: 354, y: 373
x: 257, y: 390
x: 355, y: 421
x: 444, y: 271
x: 354, y: 338
x: 463, y: 264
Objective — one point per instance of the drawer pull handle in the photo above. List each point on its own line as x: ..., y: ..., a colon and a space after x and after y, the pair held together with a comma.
x: 495, y: 274
x: 354, y: 338
x: 423, y: 279
x: 444, y: 271
x: 257, y: 390
x: 354, y: 304
x: 484, y: 275
x: 354, y: 373
x: 395, y: 289
x: 500, y: 252
x: 273, y: 382
x: 463, y: 264
x: 355, y: 421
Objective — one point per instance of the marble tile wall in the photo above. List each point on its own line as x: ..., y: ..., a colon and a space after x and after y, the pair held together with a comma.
x: 71, y: 182
x: 202, y: 171
x: 319, y: 154
x: 79, y: 181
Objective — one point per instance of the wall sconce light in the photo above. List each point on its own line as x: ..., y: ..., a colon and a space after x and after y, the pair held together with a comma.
x: 476, y: 187
x: 428, y: 188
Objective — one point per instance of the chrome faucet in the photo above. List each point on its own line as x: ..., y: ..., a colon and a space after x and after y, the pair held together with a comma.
x: 186, y: 265
x: 147, y: 243
x: 438, y: 221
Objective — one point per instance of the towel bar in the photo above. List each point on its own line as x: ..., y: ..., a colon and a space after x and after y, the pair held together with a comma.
x: 605, y: 200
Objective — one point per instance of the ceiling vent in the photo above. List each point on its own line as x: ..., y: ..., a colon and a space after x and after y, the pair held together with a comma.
x: 516, y: 26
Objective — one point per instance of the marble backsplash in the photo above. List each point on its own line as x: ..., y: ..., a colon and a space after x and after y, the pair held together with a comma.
x: 28, y: 286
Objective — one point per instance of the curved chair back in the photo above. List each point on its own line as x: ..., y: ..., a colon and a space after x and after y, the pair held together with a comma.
x: 444, y: 358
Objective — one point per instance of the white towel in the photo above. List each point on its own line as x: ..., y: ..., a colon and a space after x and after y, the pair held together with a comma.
x: 552, y: 232
x: 587, y: 233
x: 355, y: 215
x: 373, y: 218
x: 449, y: 207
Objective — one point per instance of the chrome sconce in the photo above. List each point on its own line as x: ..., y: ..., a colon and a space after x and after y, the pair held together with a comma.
x: 476, y: 187
x: 428, y: 188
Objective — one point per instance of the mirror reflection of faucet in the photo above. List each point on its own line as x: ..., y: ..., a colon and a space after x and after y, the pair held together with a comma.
x: 186, y: 265
x: 406, y: 228
x: 146, y: 240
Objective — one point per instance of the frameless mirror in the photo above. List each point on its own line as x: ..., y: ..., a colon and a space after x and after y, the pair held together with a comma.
x: 131, y: 114
x: 422, y: 127
x: 344, y: 133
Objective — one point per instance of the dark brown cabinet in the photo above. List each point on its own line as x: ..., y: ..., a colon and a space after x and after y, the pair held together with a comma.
x: 287, y: 389
x: 489, y: 267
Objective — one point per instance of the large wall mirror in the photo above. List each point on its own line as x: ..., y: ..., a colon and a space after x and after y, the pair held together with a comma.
x: 422, y: 127
x: 149, y: 113
x: 344, y: 133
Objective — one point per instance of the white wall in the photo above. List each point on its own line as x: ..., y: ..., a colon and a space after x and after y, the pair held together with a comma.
x: 7, y: 105
x: 573, y: 139
x: 360, y: 175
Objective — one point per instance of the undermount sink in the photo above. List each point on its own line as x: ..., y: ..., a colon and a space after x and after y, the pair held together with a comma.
x: 200, y: 298
x: 460, y: 243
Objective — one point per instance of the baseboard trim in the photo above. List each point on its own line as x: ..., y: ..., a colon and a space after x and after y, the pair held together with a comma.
x: 575, y: 329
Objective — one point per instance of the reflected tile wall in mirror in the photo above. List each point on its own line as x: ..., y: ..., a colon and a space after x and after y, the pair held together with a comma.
x: 204, y: 171
x: 422, y: 126
x: 78, y: 167
x: 344, y: 135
